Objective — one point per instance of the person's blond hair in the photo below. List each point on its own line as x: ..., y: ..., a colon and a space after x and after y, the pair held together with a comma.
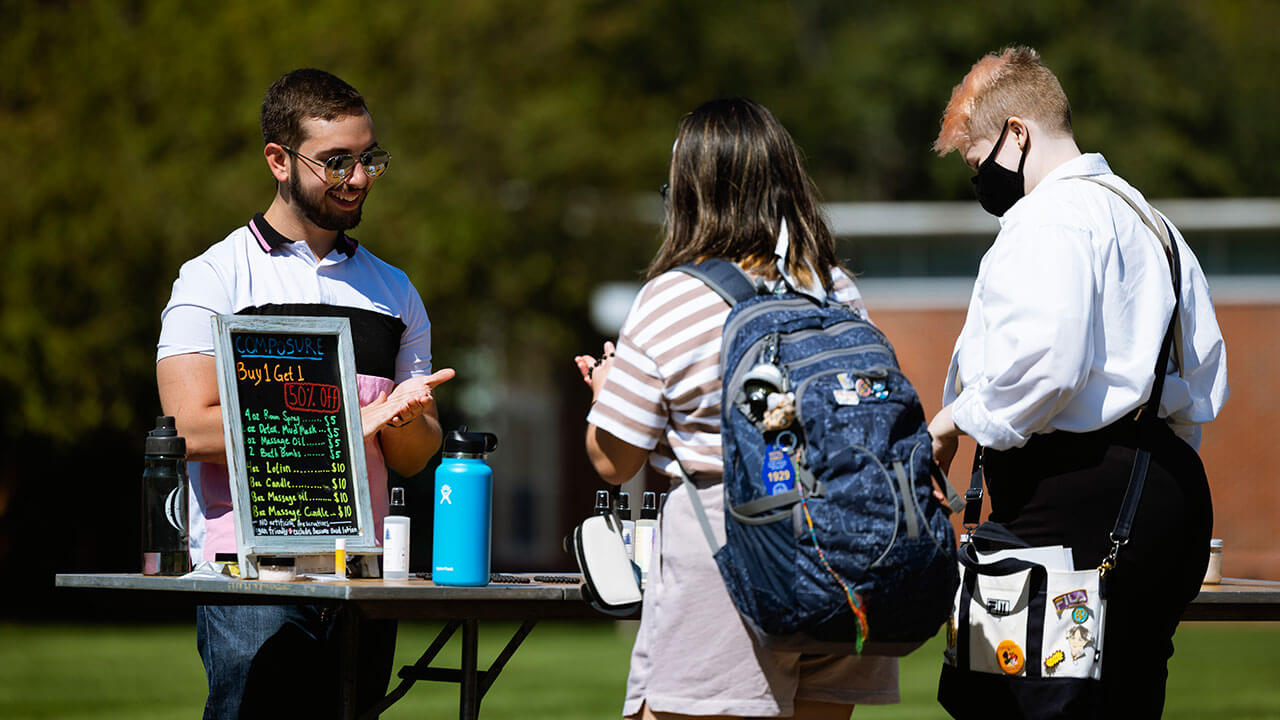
x: 1013, y: 82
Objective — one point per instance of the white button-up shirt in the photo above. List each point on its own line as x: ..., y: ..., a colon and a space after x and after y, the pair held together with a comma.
x: 1067, y: 317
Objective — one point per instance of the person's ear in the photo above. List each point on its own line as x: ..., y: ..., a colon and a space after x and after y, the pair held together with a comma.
x: 277, y: 161
x: 1018, y: 130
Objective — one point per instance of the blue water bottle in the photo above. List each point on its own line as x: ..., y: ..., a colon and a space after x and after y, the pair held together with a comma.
x: 463, y: 510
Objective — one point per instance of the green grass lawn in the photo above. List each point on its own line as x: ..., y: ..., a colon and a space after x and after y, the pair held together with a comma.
x: 1221, y: 670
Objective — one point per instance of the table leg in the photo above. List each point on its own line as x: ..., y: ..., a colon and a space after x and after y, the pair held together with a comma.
x: 469, y: 696
x: 420, y: 670
x: 472, y: 682
x: 348, y: 630
x: 495, y: 667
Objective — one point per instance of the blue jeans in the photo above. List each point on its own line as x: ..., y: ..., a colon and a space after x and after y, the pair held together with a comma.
x: 282, y: 660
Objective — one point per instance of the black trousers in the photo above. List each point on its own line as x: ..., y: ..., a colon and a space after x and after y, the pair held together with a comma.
x: 1066, y: 488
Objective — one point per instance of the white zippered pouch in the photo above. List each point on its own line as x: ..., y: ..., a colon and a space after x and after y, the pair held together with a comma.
x: 612, y: 579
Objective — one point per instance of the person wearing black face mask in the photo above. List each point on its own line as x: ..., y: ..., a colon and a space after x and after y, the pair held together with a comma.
x: 1058, y: 354
x: 996, y: 186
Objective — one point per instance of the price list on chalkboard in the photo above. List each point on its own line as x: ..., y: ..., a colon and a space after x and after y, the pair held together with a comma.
x: 296, y: 447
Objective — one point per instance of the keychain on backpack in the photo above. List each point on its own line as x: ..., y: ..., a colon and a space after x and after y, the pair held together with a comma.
x: 779, y: 471
x: 765, y: 402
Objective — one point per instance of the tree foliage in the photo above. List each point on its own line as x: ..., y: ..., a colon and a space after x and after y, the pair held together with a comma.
x: 527, y: 138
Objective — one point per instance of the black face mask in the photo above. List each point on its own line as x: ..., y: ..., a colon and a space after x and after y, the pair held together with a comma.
x: 996, y: 186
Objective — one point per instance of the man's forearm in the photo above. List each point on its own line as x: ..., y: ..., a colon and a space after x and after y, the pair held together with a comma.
x: 408, y: 449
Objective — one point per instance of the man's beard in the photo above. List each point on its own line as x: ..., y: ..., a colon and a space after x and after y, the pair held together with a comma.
x: 315, y: 210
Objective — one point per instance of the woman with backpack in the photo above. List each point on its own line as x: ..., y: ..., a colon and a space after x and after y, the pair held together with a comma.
x: 736, y: 190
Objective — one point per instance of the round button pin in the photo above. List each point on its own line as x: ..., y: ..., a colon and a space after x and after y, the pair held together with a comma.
x: 1009, y: 657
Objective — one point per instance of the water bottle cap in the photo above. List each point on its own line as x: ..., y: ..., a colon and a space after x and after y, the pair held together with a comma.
x: 469, y: 443
x: 164, y: 439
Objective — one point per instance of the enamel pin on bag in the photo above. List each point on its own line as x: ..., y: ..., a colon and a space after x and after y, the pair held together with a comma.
x: 1025, y: 638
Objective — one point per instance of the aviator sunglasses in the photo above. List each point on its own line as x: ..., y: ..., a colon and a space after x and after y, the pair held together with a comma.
x: 338, y: 168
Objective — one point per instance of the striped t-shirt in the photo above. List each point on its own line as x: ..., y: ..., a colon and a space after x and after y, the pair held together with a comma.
x: 663, y: 390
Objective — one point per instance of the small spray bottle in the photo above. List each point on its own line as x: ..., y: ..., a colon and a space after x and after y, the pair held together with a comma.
x: 603, y: 505
x: 395, y: 539
x: 628, y: 525
x: 645, y: 528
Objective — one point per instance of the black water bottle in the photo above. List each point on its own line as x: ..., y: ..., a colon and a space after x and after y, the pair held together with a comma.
x: 164, y: 501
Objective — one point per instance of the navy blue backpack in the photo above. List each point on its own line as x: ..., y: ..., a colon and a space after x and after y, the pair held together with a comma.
x: 835, y: 542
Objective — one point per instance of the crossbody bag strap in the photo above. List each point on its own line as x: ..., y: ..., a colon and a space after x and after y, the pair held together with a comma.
x: 1142, y: 457
x: 1171, y: 344
x: 973, y: 496
x: 1158, y: 227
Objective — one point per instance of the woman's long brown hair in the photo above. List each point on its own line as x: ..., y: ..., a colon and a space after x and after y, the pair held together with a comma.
x: 736, y: 174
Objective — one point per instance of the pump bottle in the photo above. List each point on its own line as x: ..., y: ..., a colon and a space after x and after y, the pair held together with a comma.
x: 645, y: 532
x: 395, y: 539
x: 628, y: 525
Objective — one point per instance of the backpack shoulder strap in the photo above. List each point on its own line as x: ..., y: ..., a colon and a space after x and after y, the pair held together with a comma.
x: 698, y: 511
x: 726, y: 278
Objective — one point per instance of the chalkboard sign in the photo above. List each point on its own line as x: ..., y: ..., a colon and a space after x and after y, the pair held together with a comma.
x: 295, y: 453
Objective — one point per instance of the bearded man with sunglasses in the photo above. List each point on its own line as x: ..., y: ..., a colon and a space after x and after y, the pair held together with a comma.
x: 297, y: 259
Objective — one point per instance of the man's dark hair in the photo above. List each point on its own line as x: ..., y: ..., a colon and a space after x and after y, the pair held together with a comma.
x: 302, y: 94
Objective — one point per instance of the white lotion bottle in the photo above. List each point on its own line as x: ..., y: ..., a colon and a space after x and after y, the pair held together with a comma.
x: 645, y: 527
x: 628, y: 525
x: 395, y: 539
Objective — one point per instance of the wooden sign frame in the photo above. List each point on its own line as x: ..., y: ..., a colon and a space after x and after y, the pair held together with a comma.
x: 249, y: 544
